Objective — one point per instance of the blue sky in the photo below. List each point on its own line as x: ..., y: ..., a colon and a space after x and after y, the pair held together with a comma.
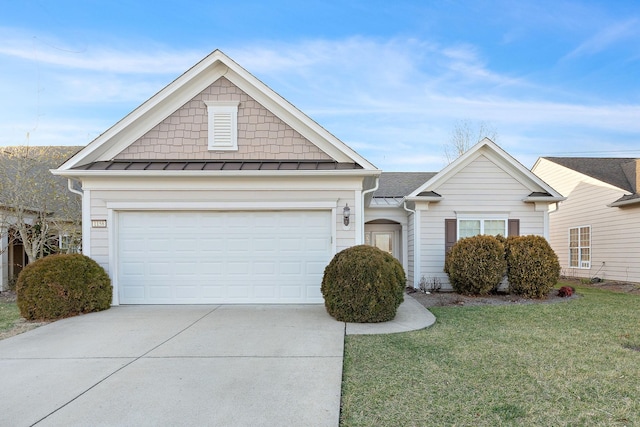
x: 390, y: 79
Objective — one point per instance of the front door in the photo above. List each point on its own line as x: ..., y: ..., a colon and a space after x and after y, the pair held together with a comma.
x: 383, y: 240
x: 385, y: 237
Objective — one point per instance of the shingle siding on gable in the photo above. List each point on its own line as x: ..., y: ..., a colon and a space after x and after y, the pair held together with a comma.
x: 261, y: 135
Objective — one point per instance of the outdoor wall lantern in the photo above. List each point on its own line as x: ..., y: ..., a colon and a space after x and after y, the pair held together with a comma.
x: 346, y: 213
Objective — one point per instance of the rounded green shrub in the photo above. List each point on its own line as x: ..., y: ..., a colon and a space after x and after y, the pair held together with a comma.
x: 59, y: 286
x: 476, y: 265
x: 533, y: 267
x: 363, y: 284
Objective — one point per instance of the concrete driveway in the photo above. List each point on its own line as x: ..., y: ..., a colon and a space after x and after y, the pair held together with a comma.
x: 176, y: 365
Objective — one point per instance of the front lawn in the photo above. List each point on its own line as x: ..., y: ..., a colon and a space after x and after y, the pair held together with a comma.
x: 568, y: 363
x: 9, y: 315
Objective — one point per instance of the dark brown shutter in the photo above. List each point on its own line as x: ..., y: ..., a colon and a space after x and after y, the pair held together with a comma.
x: 514, y: 227
x: 450, y: 235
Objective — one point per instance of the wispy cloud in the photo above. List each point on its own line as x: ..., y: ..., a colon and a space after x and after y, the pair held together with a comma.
x: 151, y: 60
x: 606, y: 37
x: 395, y: 100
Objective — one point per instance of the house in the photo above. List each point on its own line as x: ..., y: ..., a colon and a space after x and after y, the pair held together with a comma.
x: 596, y: 231
x: 30, y: 195
x: 218, y: 190
x: 485, y: 191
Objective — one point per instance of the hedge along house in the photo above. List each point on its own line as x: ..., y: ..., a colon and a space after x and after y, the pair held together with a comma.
x: 217, y: 190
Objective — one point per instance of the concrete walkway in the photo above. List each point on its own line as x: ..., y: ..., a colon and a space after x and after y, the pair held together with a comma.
x: 411, y: 316
x: 253, y: 365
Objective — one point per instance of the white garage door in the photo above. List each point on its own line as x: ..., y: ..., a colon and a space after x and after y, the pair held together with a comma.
x: 222, y: 257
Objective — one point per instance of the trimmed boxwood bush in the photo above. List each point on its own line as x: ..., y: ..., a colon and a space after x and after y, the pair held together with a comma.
x: 476, y: 265
x: 533, y: 267
x: 363, y: 284
x: 59, y: 286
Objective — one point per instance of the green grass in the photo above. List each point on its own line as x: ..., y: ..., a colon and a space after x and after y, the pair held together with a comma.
x: 9, y: 315
x: 574, y: 363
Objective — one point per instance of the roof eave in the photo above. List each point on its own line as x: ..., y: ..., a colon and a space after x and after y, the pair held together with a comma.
x: 550, y: 199
x: 200, y: 173
x: 424, y: 199
x: 618, y: 204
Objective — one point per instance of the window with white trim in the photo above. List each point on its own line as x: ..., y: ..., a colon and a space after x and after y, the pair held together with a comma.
x: 223, y: 125
x: 469, y: 226
x: 580, y: 247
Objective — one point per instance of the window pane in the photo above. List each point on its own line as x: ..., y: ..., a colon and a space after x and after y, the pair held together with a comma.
x: 585, y: 254
x: 573, y: 238
x: 494, y: 227
x: 585, y: 236
x: 573, y: 258
x: 469, y: 228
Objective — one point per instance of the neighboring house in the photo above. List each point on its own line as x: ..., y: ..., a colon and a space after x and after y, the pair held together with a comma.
x: 596, y: 231
x: 217, y: 190
x: 28, y: 191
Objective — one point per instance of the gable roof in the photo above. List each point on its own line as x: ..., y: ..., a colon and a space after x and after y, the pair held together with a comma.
x: 216, y: 65
x: 606, y: 169
x: 40, y: 160
x: 540, y: 191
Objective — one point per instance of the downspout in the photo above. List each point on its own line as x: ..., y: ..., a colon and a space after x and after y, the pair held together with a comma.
x: 364, y: 193
x: 73, y: 190
x: 84, y: 218
x: 416, y: 243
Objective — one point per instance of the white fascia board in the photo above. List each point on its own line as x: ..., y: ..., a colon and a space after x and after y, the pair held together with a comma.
x: 311, y: 184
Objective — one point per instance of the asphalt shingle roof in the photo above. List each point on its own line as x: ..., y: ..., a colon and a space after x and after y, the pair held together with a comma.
x: 614, y: 171
x: 400, y: 184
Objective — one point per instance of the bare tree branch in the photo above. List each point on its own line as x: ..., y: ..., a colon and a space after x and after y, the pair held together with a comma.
x: 33, y: 202
x: 465, y: 135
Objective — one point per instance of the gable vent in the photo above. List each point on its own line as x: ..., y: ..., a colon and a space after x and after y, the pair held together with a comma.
x: 223, y: 125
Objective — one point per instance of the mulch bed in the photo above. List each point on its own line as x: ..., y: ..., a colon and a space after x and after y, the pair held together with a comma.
x: 452, y: 299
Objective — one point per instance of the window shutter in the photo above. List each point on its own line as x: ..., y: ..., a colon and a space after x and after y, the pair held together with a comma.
x: 514, y: 227
x: 450, y: 235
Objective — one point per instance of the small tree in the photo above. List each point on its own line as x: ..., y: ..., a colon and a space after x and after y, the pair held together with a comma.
x: 34, y: 202
x: 465, y: 134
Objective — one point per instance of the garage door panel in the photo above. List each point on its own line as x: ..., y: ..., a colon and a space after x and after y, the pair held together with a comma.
x: 222, y: 257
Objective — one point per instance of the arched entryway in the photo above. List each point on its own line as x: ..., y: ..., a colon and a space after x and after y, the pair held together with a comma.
x: 385, y: 234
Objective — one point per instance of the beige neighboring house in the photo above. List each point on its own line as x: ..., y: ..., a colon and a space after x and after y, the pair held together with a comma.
x: 218, y: 190
x: 596, y: 231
